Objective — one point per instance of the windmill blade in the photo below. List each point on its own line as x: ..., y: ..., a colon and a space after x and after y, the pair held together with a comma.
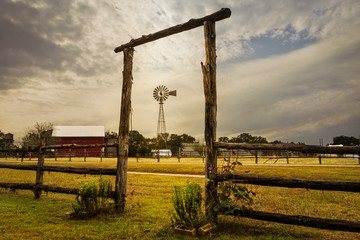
x: 172, y: 93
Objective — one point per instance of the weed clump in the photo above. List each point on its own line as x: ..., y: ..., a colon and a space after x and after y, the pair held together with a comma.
x: 187, y: 204
x: 92, y: 199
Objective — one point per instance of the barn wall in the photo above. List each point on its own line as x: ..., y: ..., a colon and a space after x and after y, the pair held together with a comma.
x: 81, y: 141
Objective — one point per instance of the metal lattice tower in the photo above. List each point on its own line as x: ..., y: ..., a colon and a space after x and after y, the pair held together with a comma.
x: 161, y: 127
x: 161, y: 93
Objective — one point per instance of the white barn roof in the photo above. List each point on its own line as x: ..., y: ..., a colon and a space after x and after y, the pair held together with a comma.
x: 78, y: 131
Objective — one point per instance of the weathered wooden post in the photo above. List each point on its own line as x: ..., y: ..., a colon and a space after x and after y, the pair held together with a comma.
x: 84, y: 154
x: 179, y: 154
x: 121, y: 172
x: 39, y: 171
x: 209, y: 79
x: 209, y: 72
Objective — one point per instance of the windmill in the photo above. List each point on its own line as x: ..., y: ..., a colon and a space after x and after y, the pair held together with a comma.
x: 161, y: 93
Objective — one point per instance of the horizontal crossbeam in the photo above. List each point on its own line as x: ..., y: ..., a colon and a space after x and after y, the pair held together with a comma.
x: 192, y: 23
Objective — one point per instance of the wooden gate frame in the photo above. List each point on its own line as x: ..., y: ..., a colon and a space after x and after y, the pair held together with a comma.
x: 209, y: 81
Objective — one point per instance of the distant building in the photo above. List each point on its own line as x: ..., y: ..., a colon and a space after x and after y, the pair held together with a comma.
x: 79, y: 135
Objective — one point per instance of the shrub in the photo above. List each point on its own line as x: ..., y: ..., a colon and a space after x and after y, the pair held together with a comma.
x: 187, y: 204
x: 90, y: 200
x: 232, y: 196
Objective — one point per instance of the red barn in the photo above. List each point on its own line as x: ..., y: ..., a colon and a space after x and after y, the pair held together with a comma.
x: 79, y: 135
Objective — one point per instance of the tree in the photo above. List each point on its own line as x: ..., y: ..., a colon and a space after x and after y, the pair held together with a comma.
x: 2, y: 139
x: 176, y: 141
x: 111, y: 134
x: 247, y: 138
x: 40, y: 131
x: 137, y: 144
x: 186, y: 138
x: 223, y: 139
x: 346, y: 141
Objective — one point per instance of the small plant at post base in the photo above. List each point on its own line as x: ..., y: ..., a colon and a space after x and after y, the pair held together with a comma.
x: 90, y: 200
x: 187, y: 204
x: 232, y: 196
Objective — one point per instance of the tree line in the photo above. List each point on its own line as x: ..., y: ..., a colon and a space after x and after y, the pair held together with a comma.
x: 142, y: 145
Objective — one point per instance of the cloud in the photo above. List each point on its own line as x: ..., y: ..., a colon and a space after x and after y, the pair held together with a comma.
x: 308, y: 90
x: 285, y: 68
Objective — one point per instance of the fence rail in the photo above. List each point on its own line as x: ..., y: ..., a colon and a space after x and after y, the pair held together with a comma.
x: 331, y: 224
x: 266, y: 181
x: 291, y: 182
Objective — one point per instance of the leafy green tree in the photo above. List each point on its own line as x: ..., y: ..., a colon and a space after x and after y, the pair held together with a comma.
x: 223, y: 139
x: 176, y: 141
x: 346, y: 141
x: 111, y: 134
x: 186, y: 138
x: 137, y: 143
x: 248, y: 138
x: 2, y: 139
x: 33, y: 137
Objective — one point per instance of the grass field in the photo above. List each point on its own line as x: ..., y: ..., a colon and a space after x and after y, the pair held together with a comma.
x: 146, y: 216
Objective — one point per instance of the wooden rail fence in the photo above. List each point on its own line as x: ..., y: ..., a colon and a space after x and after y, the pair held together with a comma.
x: 330, y: 224
x: 38, y: 186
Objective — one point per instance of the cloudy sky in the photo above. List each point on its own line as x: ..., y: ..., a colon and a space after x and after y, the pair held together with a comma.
x: 286, y: 70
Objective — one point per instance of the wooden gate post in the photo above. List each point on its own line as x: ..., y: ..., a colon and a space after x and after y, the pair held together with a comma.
x: 39, y: 171
x: 209, y: 78
x: 121, y: 171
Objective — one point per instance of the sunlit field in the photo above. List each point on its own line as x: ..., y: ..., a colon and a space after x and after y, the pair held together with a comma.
x: 244, y: 160
x: 149, y: 200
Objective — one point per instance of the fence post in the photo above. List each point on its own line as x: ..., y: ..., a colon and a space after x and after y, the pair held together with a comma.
x: 69, y: 154
x: 22, y: 155
x: 209, y: 80
x: 158, y: 155
x: 203, y: 155
x: 101, y: 155
x: 179, y: 154
x: 39, y: 171
x: 29, y: 156
x: 17, y: 156
x: 256, y: 157
x: 85, y: 154
x: 319, y: 159
x: 123, y: 139
x: 287, y: 158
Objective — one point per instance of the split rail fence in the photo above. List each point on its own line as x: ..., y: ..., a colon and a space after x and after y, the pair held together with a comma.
x: 38, y: 186
x: 332, y: 224
x: 209, y: 83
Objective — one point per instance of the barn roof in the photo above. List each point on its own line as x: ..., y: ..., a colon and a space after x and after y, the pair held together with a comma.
x: 78, y: 131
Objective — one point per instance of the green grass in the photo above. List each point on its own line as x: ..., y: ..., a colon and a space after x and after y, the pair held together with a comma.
x: 146, y: 216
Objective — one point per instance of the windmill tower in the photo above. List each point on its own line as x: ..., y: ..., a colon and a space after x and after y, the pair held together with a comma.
x: 161, y: 93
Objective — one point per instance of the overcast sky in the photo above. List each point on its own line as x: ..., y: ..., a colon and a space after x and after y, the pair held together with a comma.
x: 286, y: 70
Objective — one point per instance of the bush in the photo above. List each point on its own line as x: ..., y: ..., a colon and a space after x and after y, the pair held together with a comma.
x: 90, y: 200
x: 187, y: 204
